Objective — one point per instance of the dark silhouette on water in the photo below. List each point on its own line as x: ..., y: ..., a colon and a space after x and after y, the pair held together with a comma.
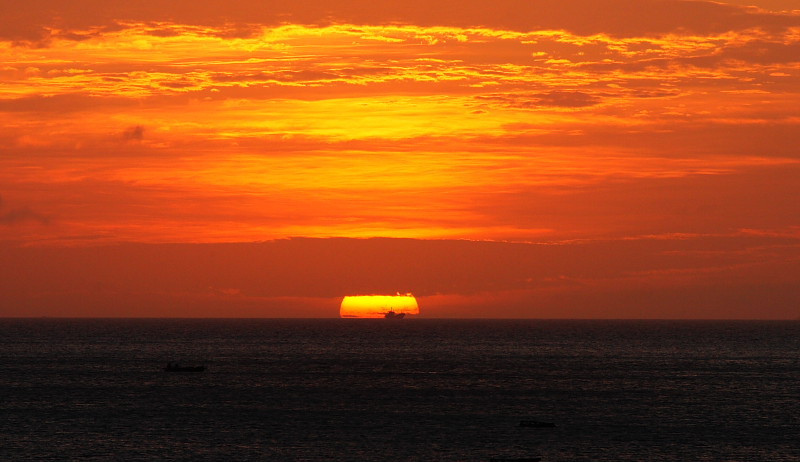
x: 523, y: 459
x: 176, y: 367
x: 536, y: 424
x: 392, y: 314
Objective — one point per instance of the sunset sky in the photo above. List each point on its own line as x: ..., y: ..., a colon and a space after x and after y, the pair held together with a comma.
x: 504, y: 158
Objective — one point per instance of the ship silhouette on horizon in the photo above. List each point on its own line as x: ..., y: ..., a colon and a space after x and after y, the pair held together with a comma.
x: 392, y: 314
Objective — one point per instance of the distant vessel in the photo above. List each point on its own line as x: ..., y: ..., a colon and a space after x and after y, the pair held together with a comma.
x: 536, y: 424
x: 379, y: 306
x: 391, y: 314
x: 521, y: 459
x: 176, y: 367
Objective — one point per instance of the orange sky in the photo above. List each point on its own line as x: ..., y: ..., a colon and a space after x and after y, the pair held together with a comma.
x: 661, y: 137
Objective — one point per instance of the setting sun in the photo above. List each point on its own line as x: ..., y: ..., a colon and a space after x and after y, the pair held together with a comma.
x: 265, y: 158
x: 589, y: 198
x: 378, y: 306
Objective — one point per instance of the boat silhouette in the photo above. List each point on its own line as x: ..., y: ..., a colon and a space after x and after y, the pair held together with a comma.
x: 392, y: 314
x: 176, y: 367
x: 536, y: 424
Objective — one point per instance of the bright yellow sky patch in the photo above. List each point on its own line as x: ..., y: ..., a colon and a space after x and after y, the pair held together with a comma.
x: 364, y: 129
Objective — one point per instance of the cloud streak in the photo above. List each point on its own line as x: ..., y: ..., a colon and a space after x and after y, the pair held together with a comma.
x: 78, y: 20
x: 326, y: 269
x: 20, y: 215
x: 557, y: 123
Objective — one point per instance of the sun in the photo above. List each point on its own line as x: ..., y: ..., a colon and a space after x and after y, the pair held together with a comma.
x: 378, y: 306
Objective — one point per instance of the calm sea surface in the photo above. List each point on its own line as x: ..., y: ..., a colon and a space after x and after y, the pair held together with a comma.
x: 406, y: 390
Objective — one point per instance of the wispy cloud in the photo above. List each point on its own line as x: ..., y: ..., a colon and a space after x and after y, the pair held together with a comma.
x: 133, y: 133
x: 20, y: 215
x: 361, y: 119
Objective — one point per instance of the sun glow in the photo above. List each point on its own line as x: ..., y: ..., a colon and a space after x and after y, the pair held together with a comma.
x: 376, y: 306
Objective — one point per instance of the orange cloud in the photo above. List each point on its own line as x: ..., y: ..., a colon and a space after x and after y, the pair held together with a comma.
x: 528, y: 121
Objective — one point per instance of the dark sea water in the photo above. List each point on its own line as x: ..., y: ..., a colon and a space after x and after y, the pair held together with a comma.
x: 410, y: 390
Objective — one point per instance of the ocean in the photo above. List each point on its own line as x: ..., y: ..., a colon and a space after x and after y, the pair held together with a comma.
x: 399, y: 390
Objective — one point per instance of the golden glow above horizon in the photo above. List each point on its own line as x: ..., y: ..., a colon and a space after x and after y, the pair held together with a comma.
x: 376, y: 306
x: 162, y: 125
x: 672, y: 125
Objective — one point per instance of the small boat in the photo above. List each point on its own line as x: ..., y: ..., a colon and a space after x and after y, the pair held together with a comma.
x: 392, y: 314
x: 522, y: 459
x: 536, y: 424
x: 176, y: 367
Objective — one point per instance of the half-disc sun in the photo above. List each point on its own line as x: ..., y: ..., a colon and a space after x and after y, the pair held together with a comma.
x: 378, y: 306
